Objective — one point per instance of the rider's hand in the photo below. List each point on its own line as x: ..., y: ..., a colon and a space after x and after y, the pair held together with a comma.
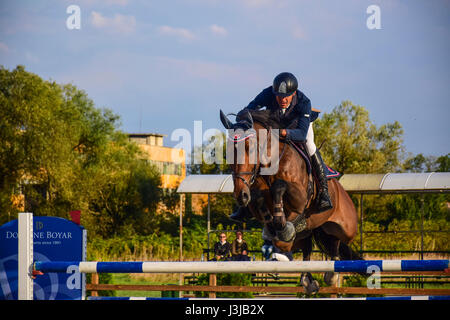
x: 283, y: 132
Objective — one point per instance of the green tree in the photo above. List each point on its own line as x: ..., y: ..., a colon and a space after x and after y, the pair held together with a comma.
x: 354, y: 144
x: 443, y: 163
x: 64, y: 154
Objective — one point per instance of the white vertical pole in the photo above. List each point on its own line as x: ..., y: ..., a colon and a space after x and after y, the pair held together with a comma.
x: 25, y: 235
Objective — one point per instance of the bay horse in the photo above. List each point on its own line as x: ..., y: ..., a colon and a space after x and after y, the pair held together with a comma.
x: 283, y: 202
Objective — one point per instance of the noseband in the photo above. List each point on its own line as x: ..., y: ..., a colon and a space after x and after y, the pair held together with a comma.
x: 253, y: 173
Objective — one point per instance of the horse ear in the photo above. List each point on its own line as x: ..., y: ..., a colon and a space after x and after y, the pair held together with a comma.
x: 225, y: 121
x: 250, y: 118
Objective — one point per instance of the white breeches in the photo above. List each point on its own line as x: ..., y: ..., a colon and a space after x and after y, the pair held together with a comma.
x: 310, y: 145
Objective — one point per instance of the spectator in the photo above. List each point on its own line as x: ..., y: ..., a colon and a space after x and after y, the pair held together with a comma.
x: 239, y: 248
x: 267, y: 249
x: 222, y: 248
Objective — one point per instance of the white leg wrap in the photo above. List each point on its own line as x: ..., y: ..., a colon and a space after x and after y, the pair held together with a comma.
x: 279, y: 257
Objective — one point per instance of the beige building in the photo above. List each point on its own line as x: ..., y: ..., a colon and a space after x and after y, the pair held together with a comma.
x: 171, y: 162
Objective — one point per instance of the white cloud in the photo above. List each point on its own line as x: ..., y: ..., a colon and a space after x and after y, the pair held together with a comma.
x: 218, y: 30
x: 180, y: 33
x: 4, y: 48
x: 119, y: 23
x: 299, y: 33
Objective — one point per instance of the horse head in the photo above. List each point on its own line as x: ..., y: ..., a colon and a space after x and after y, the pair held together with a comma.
x: 241, y: 146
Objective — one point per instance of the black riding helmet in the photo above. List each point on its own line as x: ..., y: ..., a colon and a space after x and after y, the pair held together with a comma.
x: 284, y: 84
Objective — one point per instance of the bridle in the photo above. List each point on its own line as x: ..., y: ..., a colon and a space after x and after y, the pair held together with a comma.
x: 255, y: 171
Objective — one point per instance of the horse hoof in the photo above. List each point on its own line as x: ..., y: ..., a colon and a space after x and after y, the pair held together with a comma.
x: 330, y: 278
x: 287, y: 234
x: 311, y: 287
x: 315, y: 287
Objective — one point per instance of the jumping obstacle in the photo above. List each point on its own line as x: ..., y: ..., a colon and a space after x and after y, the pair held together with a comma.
x: 359, y: 266
x: 335, y: 299
x: 28, y: 269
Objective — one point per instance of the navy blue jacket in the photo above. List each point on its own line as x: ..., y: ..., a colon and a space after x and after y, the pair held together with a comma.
x: 296, y: 118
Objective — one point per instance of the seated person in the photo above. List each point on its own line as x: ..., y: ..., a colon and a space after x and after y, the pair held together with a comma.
x: 239, y: 249
x: 222, y: 248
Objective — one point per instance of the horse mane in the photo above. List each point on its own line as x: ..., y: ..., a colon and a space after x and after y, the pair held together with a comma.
x: 265, y: 118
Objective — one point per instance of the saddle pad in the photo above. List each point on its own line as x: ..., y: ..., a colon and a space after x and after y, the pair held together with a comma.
x: 331, y: 173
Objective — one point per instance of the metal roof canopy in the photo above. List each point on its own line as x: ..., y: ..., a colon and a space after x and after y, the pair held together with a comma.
x: 206, y: 183
x: 430, y: 182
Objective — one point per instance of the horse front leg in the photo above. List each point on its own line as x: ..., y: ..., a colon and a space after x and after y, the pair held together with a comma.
x: 259, y: 202
x: 285, y: 230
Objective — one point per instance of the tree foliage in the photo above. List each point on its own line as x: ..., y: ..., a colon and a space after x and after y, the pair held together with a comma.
x: 352, y: 143
x: 65, y: 154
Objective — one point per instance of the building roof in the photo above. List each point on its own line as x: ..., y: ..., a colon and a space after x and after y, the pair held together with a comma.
x: 352, y: 183
x: 146, y: 134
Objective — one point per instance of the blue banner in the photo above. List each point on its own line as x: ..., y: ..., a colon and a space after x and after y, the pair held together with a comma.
x: 55, y: 239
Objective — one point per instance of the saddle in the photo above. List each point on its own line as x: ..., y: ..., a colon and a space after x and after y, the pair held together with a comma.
x: 300, y: 221
x: 300, y: 147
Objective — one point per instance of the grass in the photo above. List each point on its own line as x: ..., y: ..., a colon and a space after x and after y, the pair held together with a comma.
x: 142, y: 279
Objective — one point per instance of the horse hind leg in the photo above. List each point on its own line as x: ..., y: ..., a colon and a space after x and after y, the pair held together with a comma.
x: 308, y: 282
x: 328, y: 244
x: 347, y: 253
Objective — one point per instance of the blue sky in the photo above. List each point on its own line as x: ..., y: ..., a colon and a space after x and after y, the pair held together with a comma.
x: 161, y: 65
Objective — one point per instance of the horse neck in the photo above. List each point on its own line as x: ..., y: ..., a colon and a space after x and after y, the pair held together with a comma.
x: 287, y: 154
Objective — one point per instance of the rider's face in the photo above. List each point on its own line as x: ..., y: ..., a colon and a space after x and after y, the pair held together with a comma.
x: 285, y: 102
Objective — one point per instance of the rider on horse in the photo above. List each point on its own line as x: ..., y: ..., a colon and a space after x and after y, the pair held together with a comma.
x: 294, y: 107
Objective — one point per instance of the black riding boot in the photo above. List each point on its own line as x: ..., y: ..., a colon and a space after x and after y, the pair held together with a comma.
x: 323, y: 201
x: 240, y: 215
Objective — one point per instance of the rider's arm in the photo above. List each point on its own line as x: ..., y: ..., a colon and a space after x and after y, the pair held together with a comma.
x: 263, y: 99
x: 304, y: 118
